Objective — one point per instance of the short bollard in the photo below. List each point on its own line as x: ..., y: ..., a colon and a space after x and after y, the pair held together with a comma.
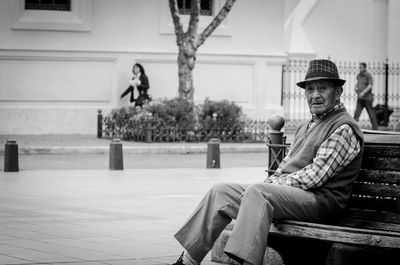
x: 11, y: 156
x: 213, y: 157
x: 116, y: 156
x: 148, y: 135
x: 99, y: 124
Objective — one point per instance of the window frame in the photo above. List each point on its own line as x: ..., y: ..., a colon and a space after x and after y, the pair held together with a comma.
x: 186, y: 11
x: 78, y: 19
x: 48, y: 6
x: 167, y: 26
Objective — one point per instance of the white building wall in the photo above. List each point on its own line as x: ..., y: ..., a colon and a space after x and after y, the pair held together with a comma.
x: 54, y: 81
x: 351, y: 30
x: 394, y: 31
x: 355, y: 30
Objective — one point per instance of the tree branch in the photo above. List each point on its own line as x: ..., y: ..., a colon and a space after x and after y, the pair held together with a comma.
x: 173, y: 7
x: 216, y: 21
x: 194, y: 18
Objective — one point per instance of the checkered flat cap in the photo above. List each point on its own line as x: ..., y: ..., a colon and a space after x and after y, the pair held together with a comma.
x: 321, y: 69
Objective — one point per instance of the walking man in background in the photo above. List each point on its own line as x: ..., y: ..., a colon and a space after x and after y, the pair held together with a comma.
x: 364, y: 95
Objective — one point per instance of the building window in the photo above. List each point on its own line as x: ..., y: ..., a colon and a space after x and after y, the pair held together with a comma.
x: 186, y: 5
x: 167, y: 26
x: 56, y: 5
x: 57, y: 15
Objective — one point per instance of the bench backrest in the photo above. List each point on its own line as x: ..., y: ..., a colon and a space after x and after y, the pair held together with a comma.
x: 376, y: 192
x: 375, y: 202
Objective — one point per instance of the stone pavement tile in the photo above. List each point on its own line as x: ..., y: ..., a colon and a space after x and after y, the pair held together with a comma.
x: 50, y: 232
x: 106, y: 248
x: 63, y: 225
x: 38, y: 232
x: 81, y: 216
x: 171, y: 259
x: 97, y: 262
x: 11, y: 260
x: 4, y: 237
x: 78, y: 251
x: 133, y: 262
x: 32, y: 254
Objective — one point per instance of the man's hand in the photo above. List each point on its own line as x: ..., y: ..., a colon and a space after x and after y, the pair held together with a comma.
x: 356, y: 90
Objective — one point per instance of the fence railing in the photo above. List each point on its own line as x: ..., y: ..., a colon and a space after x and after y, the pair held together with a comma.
x: 295, y: 105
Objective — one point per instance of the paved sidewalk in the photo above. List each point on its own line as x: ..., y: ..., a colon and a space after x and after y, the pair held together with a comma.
x: 89, y: 144
x: 87, y: 217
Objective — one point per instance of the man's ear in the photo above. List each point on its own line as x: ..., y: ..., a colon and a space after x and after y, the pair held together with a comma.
x: 339, y: 91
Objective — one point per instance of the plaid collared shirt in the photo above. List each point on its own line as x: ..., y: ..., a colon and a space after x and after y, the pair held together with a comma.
x: 316, y: 118
x: 333, y: 155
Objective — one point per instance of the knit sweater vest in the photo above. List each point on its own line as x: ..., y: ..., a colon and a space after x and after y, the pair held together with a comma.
x: 333, y: 195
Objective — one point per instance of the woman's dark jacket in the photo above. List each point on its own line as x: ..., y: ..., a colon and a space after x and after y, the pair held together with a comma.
x: 142, y: 90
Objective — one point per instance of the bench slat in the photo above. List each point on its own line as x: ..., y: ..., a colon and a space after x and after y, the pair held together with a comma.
x: 392, y: 139
x: 381, y: 150
x: 356, y: 223
x: 381, y: 163
x: 374, y: 216
x: 376, y: 189
x: 377, y: 204
x: 332, y: 233
x: 379, y: 176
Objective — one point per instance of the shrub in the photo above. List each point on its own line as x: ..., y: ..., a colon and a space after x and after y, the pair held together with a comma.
x: 169, y: 120
x: 115, y: 123
x: 221, y: 116
x: 177, y: 120
x: 224, y: 111
x: 176, y: 113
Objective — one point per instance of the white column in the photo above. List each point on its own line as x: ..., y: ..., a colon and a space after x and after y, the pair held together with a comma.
x: 296, y: 39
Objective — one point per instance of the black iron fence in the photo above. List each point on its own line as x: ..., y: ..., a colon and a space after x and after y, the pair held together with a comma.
x: 253, y: 131
x: 386, y: 90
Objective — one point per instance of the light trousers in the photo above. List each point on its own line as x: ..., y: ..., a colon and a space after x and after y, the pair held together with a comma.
x: 254, y: 207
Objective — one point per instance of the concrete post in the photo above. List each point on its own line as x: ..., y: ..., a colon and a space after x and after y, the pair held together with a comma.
x: 275, y: 154
x: 213, y: 157
x: 116, y: 155
x: 99, y: 124
x: 11, y: 156
x: 148, y: 134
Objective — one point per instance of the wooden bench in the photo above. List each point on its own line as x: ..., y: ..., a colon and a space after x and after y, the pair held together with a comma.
x: 372, y: 219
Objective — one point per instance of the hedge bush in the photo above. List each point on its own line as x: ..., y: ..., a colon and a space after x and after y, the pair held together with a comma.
x: 176, y: 120
x: 227, y: 114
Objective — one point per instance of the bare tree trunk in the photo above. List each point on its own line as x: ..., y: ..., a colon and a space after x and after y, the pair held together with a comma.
x: 189, y: 41
x: 185, y: 73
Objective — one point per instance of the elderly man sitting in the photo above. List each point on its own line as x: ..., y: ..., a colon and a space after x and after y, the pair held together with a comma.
x: 313, y: 182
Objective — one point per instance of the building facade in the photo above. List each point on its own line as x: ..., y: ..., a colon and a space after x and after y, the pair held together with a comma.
x: 57, y: 68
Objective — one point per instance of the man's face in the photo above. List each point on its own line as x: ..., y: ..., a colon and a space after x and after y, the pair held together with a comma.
x: 322, y: 95
x: 361, y: 67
